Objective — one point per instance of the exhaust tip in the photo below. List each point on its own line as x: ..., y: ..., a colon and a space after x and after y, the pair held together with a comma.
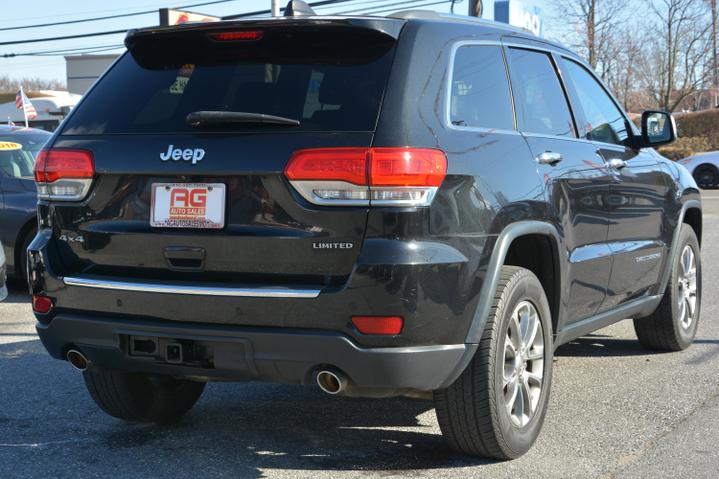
x: 77, y: 360
x: 331, y: 382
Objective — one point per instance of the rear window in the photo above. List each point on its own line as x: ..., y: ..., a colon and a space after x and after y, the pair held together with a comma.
x: 329, y: 82
x: 18, y: 152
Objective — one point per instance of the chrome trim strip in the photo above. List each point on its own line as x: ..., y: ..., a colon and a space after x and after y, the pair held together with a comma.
x: 170, y: 288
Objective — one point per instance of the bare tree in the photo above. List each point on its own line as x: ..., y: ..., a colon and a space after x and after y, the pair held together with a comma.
x: 8, y: 84
x: 676, y: 59
x: 595, y: 25
x: 620, y: 67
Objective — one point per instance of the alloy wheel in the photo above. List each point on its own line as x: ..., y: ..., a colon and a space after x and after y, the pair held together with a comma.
x: 523, y: 364
x: 687, y: 297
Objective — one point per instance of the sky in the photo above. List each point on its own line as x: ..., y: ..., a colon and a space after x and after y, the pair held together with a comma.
x: 33, y: 12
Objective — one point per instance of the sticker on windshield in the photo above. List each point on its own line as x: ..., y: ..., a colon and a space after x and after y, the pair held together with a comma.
x: 9, y: 145
x: 182, y: 79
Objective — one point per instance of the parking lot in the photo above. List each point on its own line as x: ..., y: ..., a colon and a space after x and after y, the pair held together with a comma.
x: 615, y: 411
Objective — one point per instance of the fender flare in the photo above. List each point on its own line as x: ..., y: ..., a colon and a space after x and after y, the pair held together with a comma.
x: 675, y: 240
x: 491, y: 280
x: 494, y: 269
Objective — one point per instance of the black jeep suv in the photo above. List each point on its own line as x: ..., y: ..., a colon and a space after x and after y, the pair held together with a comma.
x: 420, y: 205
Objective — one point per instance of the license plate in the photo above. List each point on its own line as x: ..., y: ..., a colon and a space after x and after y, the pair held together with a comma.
x: 188, y: 205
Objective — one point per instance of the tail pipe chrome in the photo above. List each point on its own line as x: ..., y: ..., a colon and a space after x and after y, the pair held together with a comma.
x: 331, y: 381
x: 77, y: 360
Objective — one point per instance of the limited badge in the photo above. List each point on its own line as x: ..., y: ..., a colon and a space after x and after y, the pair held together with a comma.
x: 9, y: 145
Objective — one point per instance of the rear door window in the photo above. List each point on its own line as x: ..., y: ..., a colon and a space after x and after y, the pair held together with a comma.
x: 480, y: 95
x: 539, y: 99
x: 292, y: 75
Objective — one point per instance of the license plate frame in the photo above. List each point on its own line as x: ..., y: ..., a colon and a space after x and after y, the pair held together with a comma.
x: 188, y: 205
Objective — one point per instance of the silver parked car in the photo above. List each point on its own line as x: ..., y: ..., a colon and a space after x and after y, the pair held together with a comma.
x: 704, y: 168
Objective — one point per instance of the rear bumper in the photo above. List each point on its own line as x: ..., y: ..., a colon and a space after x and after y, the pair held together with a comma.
x: 426, y: 283
x: 268, y: 354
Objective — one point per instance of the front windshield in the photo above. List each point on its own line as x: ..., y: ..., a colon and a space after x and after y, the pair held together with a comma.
x: 18, y: 152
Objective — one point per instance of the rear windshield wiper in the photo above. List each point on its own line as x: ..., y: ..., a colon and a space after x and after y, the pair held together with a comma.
x: 199, y: 119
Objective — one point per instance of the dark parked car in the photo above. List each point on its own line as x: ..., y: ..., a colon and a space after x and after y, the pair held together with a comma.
x: 3, y: 287
x: 18, y: 194
x: 419, y: 205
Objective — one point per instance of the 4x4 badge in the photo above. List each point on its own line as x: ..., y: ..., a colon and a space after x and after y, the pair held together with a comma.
x: 196, y: 155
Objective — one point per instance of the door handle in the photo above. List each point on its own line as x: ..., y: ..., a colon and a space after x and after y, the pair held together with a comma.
x: 616, y: 163
x: 549, y: 158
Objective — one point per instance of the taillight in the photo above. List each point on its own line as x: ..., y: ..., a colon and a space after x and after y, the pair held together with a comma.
x: 64, y: 174
x: 383, y: 325
x: 363, y: 176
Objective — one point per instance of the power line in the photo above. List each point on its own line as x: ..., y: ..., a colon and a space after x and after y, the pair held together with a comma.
x: 408, y: 4
x: 64, y: 51
x: 364, y: 5
x: 263, y: 12
x: 66, y: 37
x: 108, y: 17
x: 115, y: 32
x: 364, y: 10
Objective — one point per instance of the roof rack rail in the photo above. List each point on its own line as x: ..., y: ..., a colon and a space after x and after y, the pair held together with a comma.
x: 433, y: 15
x: 409, y: 14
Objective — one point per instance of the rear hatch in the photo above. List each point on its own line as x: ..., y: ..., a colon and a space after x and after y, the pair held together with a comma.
x: 207, y: 200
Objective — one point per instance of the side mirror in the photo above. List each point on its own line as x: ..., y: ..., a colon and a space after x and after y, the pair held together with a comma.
x: 658, y: 128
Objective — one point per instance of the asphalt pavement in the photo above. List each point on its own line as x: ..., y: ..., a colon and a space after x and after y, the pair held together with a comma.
x: 616, y: 410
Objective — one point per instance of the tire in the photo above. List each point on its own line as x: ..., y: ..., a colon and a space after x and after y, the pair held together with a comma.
x: 706, y: 176
x: 142, y: 397
x: 673, y: 326
x: 21, y: 267
x: 472, y: 412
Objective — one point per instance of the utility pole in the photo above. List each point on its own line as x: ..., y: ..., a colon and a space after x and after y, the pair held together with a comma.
x: 715, y: 65
x: 475, y: 8
x: 275, y: 8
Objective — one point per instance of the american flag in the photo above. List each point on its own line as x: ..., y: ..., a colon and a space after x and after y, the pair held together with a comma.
x: 23, y: 102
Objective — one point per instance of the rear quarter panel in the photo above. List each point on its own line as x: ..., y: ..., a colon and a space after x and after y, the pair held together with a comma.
x: 491, y: 181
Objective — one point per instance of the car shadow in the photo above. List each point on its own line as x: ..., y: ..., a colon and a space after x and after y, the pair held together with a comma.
x: 236, y: 429
x: 600, y: 345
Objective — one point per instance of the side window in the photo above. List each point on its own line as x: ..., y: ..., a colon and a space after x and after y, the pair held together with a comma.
x: 603, y: 121
x: 480, y: 90
x: 541, y: 105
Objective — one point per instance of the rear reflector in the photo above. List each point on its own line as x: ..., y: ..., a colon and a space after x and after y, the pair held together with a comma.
x: 41, y: 304
x: 239, y: 36
x: 360, y: 176
x: 384, y: 325
x: 64, y: 174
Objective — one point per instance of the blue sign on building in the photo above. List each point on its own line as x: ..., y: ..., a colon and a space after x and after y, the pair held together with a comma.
x: 519, y: 13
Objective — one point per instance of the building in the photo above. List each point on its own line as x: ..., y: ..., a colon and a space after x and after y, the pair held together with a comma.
x: 83, y: 70
x: 51, y: 106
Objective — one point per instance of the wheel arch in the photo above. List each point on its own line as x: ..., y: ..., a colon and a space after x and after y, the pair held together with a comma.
x: 19, y: 241
x: 539, y: 253
x: 693, y: 217
x: 691, y: 214
x: 532, y: 234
